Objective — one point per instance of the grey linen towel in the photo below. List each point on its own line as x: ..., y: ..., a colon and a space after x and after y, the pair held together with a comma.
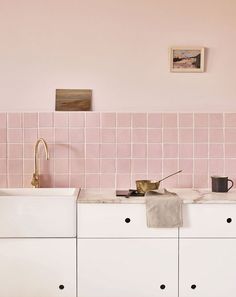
x: 163, y: 210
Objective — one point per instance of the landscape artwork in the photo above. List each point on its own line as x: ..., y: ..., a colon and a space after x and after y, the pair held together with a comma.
x: 187, y: 59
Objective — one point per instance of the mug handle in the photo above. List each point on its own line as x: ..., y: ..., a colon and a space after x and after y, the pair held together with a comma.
x: 232, y: 184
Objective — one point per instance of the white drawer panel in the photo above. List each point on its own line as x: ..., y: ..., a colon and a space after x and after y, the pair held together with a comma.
x: 209, y: 220
x: 117, y: 220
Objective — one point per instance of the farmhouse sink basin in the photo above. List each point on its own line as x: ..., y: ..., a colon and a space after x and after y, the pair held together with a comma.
x: 38, y: 212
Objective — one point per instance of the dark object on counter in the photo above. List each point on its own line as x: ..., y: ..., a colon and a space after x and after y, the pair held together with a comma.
x: 220, y: 183
x: 128, y: 193
x: 73, y: 99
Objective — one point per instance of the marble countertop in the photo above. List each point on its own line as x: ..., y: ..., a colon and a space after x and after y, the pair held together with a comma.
x: 187, y: 195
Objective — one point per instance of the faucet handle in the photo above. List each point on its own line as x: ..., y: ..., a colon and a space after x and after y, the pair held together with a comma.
x: 35, y: 180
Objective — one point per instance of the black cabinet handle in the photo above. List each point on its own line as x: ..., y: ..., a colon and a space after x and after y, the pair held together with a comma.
x: 127, y: 220
x: 162, y: 287
x: 193, y: 287
x: 61, y: 287
x: 229, y: 220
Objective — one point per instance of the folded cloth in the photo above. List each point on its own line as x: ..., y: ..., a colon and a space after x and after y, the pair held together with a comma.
x: 163, y: 210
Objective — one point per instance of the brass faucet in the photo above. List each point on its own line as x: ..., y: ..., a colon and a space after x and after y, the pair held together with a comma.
x: 35, y: 179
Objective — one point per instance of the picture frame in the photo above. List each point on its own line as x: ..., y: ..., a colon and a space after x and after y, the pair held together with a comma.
x: 187, y: 59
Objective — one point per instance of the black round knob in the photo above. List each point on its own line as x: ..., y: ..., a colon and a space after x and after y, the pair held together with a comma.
x: 162, y: 287
x: 193, y: 287
x: 127, y: 220
x: 61, y: 287
x: 229, y: 220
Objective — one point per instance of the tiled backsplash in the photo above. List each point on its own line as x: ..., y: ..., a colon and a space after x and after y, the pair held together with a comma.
x: 112, y: 150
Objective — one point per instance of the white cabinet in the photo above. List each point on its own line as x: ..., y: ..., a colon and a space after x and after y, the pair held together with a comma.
x: 32, y: 267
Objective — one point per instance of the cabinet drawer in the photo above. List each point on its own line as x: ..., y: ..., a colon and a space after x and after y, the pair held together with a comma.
x: 209, y: 220
x: 117, y: 220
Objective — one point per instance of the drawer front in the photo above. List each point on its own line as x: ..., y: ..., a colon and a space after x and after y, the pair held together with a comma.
x: 209, y: 220
x: 117, y: 220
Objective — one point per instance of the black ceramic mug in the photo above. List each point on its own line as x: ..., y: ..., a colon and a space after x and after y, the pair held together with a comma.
x: 220, y: 183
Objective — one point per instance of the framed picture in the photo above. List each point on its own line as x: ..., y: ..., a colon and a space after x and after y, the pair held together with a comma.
x: 187, y: 59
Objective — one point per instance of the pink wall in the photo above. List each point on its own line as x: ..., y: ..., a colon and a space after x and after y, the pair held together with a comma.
x: 112, y: 150
x: 120, y: 50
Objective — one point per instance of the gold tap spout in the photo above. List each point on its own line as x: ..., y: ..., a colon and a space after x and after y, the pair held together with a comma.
x: 35, y: 179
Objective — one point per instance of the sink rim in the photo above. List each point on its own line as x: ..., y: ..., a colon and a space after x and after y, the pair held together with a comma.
x: 38, y: 192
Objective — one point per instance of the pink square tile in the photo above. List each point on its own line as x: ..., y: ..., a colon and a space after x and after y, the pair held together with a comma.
x: 139, y: 150
x: 61, y: 181
x: 108, y: 119
x: 15, y: 135
x: 61, y: 151
x: 3, y: 150
x: 230, y: 120
x: 201, y: 135
x: 3, y: 181
x: 123, y: 166
x: 76, y: 150
x: 186, y: 120
x: 154, y: 135
x: 230, y: 135
x: 92, y: 135
x: 139, y: 120
x: 170, y: 182
x: 216, y: 150
x: 92, y: 119
x: 77, y: 166
x: 61, y: 166
x: 14, y: 120
x: 77, y: 181
x: 216, y: 120
x: 61, y: 135
x: 47, y: 181
x: 15, y: 181
x: 92, y: 165
x: 230, y: 166
x: 139, y: 165
x: 170, y: 135
x: 30, y: 135
x: 185, y: 181
x: 61, y: 119
x: 47, y: 166
x: 170, y: 166
x: 169, y: 120
x: 29, y: 167
x: 15, y: 151
x: 47, y: 134
x: 76, y: 135
x: 15, y: 166
x: 108, y: 150
x: 107, y: 181
x: 108, y: 165
x: 139, y: 135
x: 201, y: 166
x: 201, y: 181
x: 216, y: 167
x: 123, y: 150
x: 27, y: 178
x: 124, y: 120
x: 186, y: 165
x: 200, y: 150
x: 3, y: 120
x: 3, y: 136
x: 92, y: 181
x: 46, y: 119
x: 201, y: 120
x: 93, y: 150
x: 41, y: 151
x: 123, y: 181
x: 30, y: 120
x: 3, y: 166
x: 186, y: 150
x: 186, y: 135
x: 123, y: 135
x: 154, y: 150
x: 170, y: 150
x: 108, y: 135
x: 154, y: 120
x: 216, y: 135
x: 155, y: 166
x: 28, y: 151
x: 230, y: 150
x: 77, y: 119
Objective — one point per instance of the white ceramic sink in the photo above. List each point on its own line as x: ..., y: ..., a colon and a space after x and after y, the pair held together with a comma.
x: 39, y: 212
